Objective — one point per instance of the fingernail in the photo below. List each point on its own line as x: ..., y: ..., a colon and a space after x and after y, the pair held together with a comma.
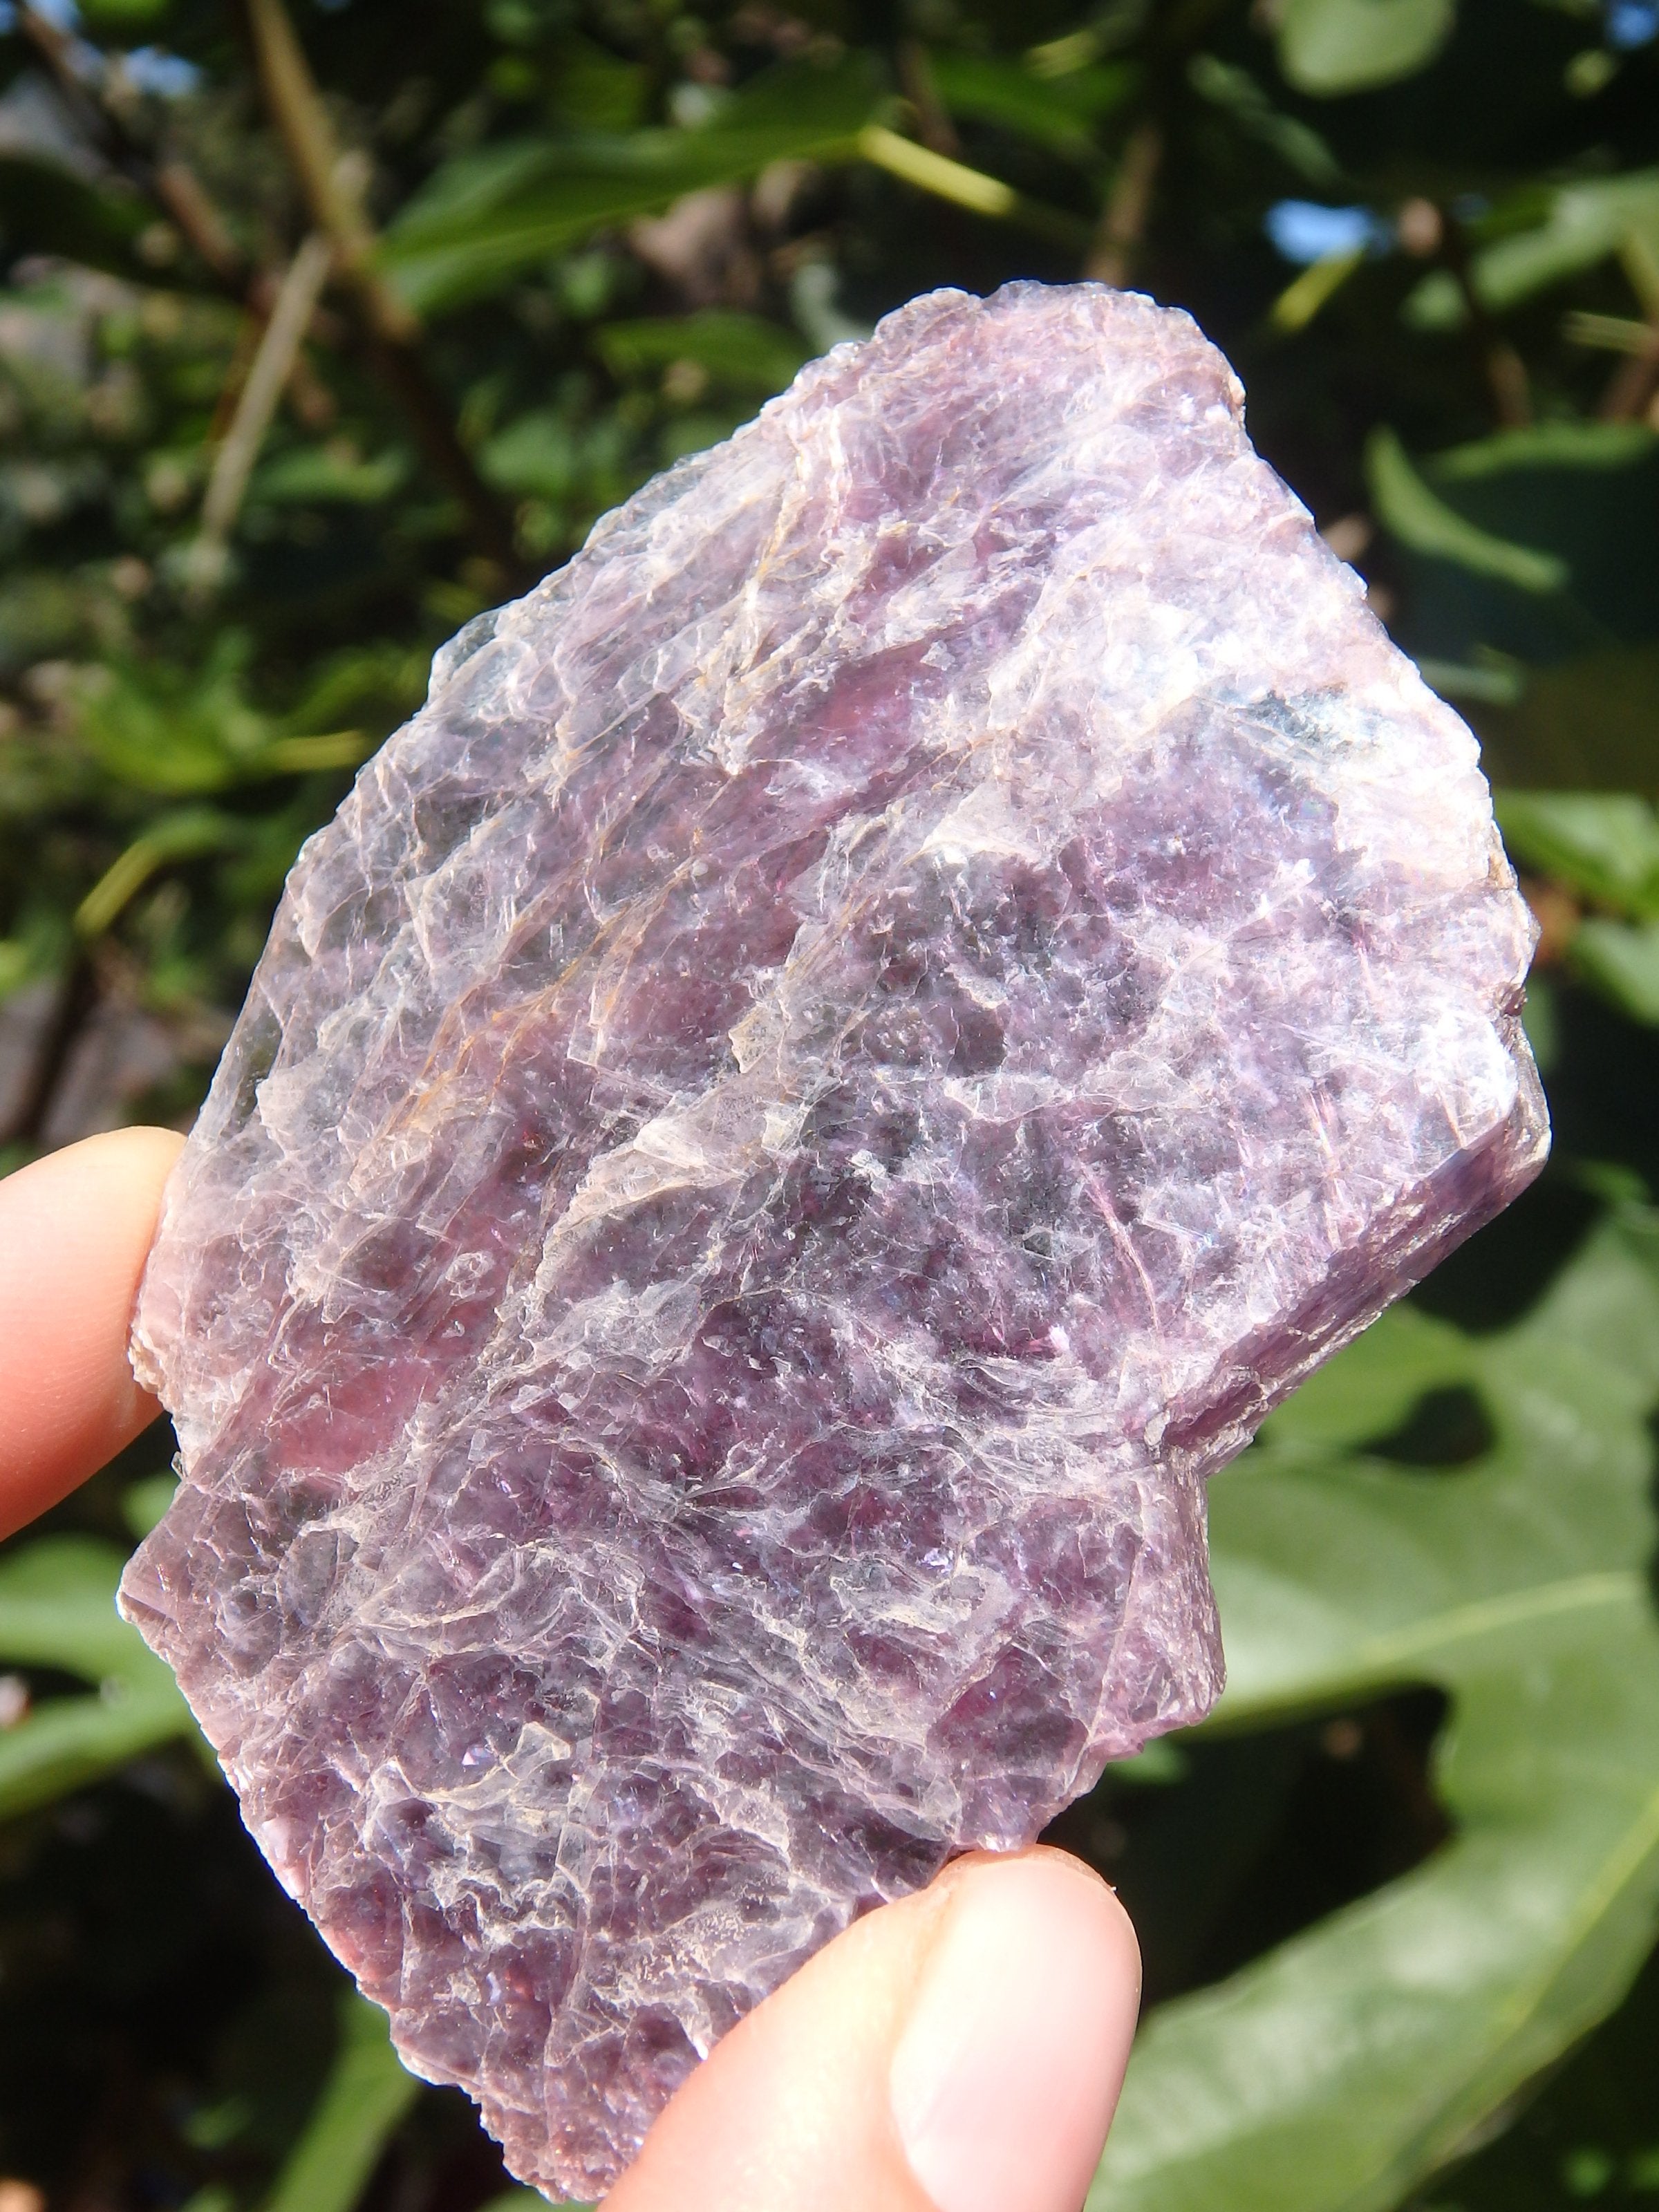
x: 1008, y: 2068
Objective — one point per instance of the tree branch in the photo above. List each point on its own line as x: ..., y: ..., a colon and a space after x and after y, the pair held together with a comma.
x: 1128, y: 205
x: 332, y: 183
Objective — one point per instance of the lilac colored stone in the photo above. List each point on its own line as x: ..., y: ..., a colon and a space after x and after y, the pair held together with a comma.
x: 870, y: 1029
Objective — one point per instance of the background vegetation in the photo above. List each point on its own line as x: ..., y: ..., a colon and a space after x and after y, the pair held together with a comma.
x: 326, y: 324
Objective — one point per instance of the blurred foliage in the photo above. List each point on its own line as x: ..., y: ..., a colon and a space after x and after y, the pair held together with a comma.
x: 1351, y: 2062
x: 325, y: 325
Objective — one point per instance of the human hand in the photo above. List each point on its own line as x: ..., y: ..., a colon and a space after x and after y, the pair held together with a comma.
x: 960, y: 2050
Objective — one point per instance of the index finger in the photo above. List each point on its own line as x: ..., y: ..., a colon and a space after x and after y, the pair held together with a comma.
x: 76, y: 1228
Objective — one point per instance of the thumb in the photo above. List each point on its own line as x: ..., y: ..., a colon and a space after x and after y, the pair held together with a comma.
x: 960, y: 2050
x: 74, y: 1232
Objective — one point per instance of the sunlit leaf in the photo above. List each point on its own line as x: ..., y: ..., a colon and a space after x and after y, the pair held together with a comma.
x: 1336, y: 2072
x: 1305, y: 295
x: 1604, y: 846
x: 46, y: 209
x: 318, y: 473
x: 185, y: 833
x: 1621, y: 961
x: 1332, y: 47
x: 1237, y: 94
x: 124, y: 14
x: 745, y: 352
x: 525, y: 2200
x: 57, y: 1611
x: 955, y: 181
x: 366, y: 2093
x: 1582, y: 223
x: 545, y: 455
x: 158, y: 727
x: 485, y: 217
x: 16, y: 966
x: 1574, y: 446
x: 1416, y: 515
x: 1057, y: 112
x: 145, y: 1502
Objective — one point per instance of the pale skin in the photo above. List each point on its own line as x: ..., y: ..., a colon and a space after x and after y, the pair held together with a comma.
x: 961, y: 2050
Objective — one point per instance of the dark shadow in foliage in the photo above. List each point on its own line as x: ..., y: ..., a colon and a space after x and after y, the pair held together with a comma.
x: 1262, y: 1835
x: 1446, y: 1429
x: 1591, y: 2134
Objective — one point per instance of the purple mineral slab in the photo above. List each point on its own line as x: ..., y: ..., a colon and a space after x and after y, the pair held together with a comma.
x: 870, y: 1029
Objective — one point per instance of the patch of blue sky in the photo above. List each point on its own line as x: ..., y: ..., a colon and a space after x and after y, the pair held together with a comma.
x: 152, y: 69
x: 1631, y: 23
x: 1305, y: 231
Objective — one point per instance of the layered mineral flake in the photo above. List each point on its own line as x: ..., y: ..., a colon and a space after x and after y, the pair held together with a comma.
x: 869, y: 1029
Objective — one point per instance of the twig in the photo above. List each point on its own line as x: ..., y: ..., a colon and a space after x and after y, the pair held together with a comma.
x: 1631, y: 389
x: 177, y: 191
x: 170, y: 182
x: 177, y: 186
x: 1633, y: 384
x: 75, y: 1002
x: 915, y: 74
x: 1128, y: 205
x: 964, y: 187
x: 1504, y: 371
x: 279, y: 345
x: 331, y: 181
x: 331, y: 184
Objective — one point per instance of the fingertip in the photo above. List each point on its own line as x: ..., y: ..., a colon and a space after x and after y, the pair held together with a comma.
x: 959, y: 2050
x: 1007, y: 2075
x: 76, y: 1228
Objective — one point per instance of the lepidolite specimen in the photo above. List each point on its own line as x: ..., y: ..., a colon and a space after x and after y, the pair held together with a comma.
x: 869, y: 1029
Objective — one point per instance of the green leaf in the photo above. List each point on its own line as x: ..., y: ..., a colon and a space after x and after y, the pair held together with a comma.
x: 318, y: 473
x: 57, y: 1611
x: 526, y: 2200
x: 145, y: 1502
x: 124, y: 14
x: 1058, y: 113
x: 1622, y: 964
x: 16, y: 966
x: 955, y: 181
x: 1420, y: 518
x: 366, y: 2093
x: 1237, y: 92
x: 486, y: 217
x: 594, y: 89
x: 1604, y: 846
x: 1582, y: 223
x: 66, y: 1743
x: 545, y: 455
x: 187, y: 833
x: 1330, y: 46
x: 1335, y: 2074
x: 745, y: 352
x: 1563, y: 446
x: 1372, y: 1388
x: 1588, y: 722
x: 1318, y: 284
x: 46, y: 209
x: 161, y: 728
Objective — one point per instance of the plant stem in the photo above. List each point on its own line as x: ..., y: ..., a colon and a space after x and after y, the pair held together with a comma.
x: 1631, y: 389
x: 169, y: 182
x: 1123, y: 224
x: 331, y: 185
x: 279, y: 345
x: 1504, y: 371
x: 75, y: 1002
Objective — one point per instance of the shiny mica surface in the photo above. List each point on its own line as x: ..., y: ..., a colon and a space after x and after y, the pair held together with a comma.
x: 867, y: 1033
